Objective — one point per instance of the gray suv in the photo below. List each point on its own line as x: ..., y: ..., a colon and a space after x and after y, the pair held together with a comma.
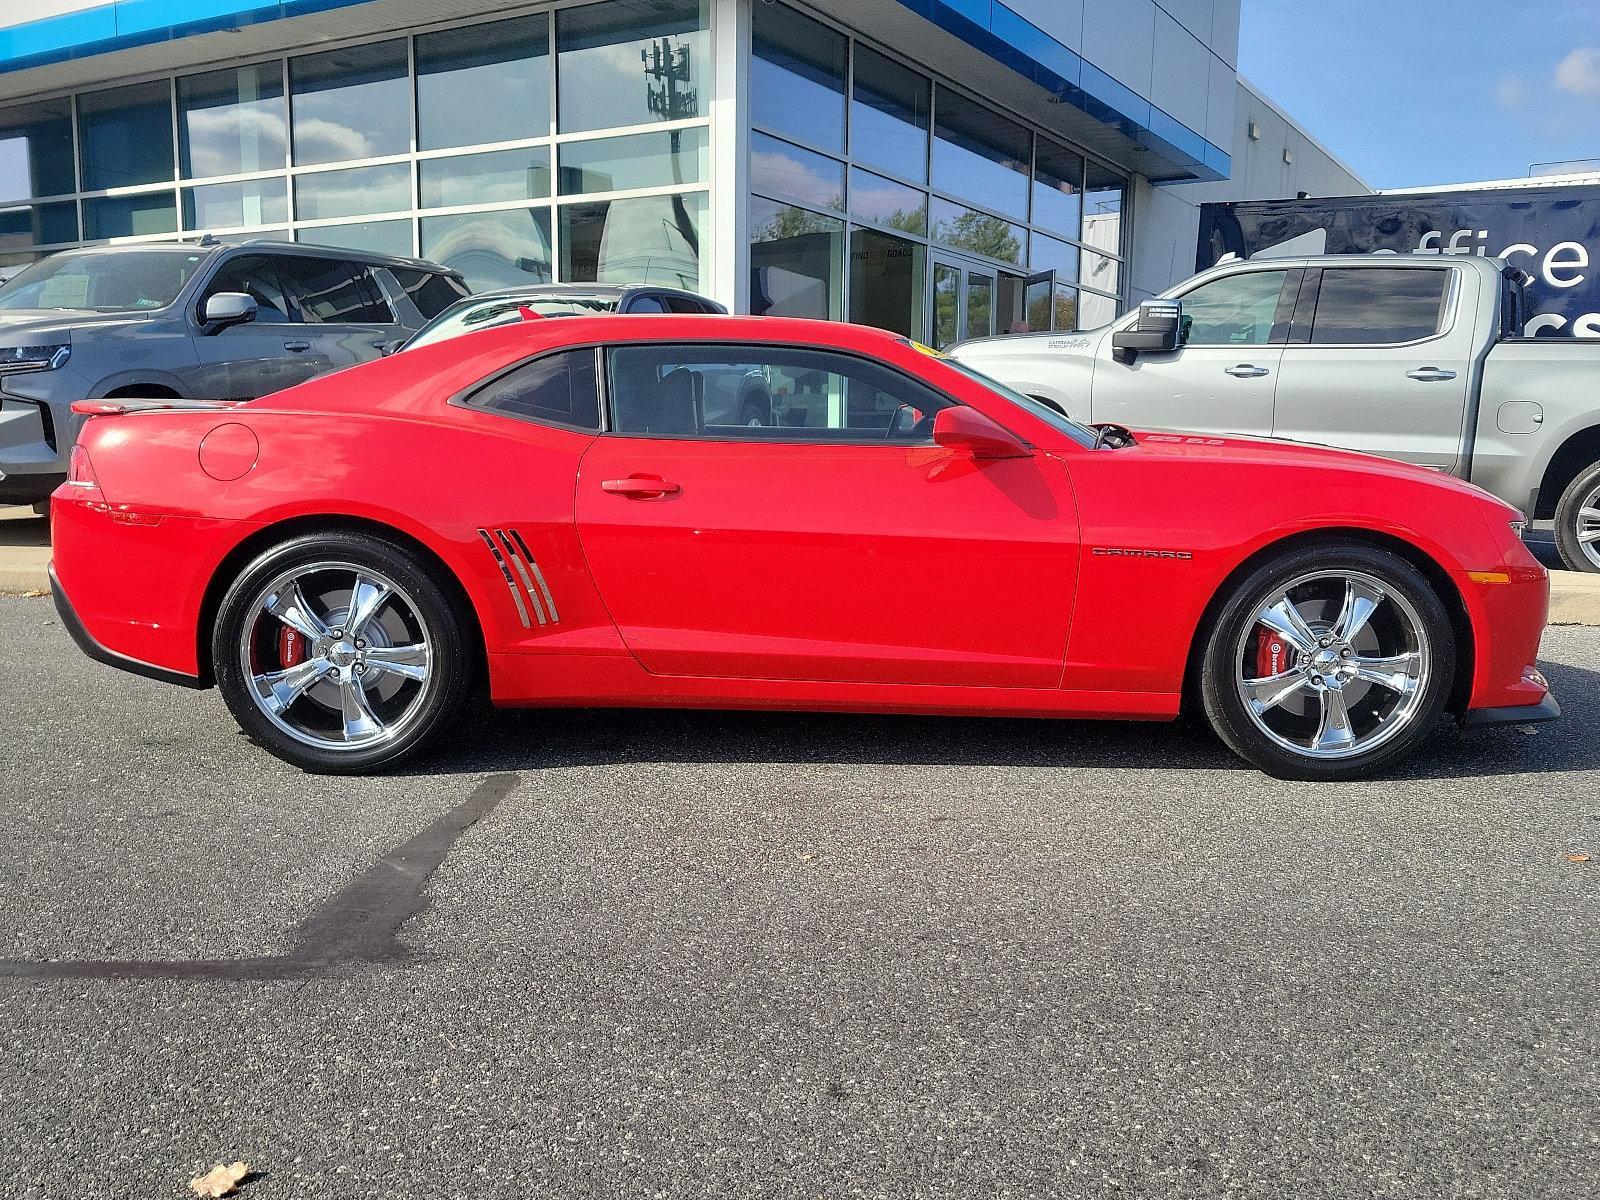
x: 203, y: 321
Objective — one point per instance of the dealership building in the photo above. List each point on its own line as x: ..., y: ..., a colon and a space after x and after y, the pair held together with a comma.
x: 944, y: 168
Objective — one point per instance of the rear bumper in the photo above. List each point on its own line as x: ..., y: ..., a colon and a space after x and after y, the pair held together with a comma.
x: 86, y: 642
x: 1526, y: 714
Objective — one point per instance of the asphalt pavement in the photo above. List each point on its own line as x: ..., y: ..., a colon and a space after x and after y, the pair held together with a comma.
x: 723, y: 955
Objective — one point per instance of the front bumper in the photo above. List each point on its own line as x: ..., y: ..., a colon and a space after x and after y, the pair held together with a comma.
x: 1523, y: 714
x: 86, y: 642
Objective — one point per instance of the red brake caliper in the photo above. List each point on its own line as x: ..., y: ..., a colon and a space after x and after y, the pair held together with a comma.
x: 291, y: 647
x: 1272, y: 653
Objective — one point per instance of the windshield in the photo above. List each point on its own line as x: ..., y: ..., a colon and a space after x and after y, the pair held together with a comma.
x: 115, y: 282
x: 506, y: 310
x: 1033, y: 407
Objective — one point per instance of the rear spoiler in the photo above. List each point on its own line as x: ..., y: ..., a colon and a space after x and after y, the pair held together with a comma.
x: 133, y: 404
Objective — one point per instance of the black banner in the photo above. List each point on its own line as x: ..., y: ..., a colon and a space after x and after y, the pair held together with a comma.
x: 1552, y: 233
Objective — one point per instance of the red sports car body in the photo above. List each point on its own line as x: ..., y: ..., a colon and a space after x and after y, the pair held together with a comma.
x: 908, y: 538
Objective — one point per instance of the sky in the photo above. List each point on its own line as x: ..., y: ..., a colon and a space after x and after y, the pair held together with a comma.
x: 1411, y: 93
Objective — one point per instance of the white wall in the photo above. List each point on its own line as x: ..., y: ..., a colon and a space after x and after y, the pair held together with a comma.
x: 1166, y: 217
x: 20, y: 12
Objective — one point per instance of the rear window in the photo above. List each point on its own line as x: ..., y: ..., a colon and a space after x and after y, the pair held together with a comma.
x: 432, y: 293
x: 560, y: 388
x: 1377, y: 306
x: 329, y: 291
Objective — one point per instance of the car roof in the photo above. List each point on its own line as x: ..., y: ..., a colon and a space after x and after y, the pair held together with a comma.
x: 299, y: 249
x: 597, y: 291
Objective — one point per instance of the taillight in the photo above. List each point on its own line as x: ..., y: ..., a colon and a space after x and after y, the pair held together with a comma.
x: 80, y: 475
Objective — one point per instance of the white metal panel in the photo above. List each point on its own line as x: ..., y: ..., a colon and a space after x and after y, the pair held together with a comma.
x: 1061, y: 19
x: 20, y: 12
x: 1182, y: 77
x: 1119, y: 38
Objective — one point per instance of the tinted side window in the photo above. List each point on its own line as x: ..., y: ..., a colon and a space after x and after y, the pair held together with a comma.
x: 682, y: 304
x: 431, y: 293
x: 766, y: 393
x: 558, y: 388
x: 328, y: 291
x: 646, y: 304
x: 1378, y: 305
x: 1236, y: 310
x: 256, y: 277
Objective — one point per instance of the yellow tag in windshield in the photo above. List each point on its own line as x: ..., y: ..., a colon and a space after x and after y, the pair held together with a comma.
x: 928, y: 350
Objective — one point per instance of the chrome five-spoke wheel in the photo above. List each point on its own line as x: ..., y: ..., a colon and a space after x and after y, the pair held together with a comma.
x: 340, y: 652
x: 1328, y: 662
x: 1333, y: 665
x: 337, y: 656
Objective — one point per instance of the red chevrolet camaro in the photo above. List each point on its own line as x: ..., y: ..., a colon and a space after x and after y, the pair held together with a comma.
x: 544, y: 511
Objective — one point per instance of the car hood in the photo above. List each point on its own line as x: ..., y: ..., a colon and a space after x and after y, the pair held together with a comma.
x: 24, y: 327
x: 1283, y: 453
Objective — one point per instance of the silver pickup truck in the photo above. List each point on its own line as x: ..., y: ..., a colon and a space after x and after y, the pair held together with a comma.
x: 1415, y: 357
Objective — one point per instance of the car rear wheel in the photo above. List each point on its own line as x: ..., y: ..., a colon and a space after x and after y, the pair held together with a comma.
x: 1578, y: 522
x: 1328, y: 663
x: 340, y: 653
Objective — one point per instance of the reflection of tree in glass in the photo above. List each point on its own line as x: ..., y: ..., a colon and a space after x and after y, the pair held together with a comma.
x: 1066, y: 312
x: 982, y: 234
x: 789, y: 222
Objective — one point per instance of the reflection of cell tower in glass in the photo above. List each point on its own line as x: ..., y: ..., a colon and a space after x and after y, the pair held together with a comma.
x: 672, y: 99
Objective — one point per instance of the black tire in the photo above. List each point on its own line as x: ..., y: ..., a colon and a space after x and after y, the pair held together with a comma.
x: 753, y: 413
x: 1581, y: 494
x: 1416, y: 716
x: 436, y: 701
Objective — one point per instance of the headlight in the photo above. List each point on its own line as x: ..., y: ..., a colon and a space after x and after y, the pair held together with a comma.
x: 33, y: 358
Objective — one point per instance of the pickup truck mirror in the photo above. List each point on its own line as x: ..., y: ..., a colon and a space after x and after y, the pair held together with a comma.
x: 228, y: 308
x: 1156, y: 330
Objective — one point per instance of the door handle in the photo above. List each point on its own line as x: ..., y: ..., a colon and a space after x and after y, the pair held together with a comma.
x: 1430, y: 375
x: 640, y: 487
x: 297, y: 346
x: 1247, y: 371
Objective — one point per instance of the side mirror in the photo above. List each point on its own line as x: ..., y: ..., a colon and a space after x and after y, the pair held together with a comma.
x: 961, y: 428
x: 227, y: 308
x: 1156, y: 330
x: 392, y: 346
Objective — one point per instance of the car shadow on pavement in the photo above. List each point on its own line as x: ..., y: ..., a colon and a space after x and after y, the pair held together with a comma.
x: 534, y: 739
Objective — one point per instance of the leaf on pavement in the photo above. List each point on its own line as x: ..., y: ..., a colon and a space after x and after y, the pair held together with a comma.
x: 1577, y: 857
x: 221, y: 1180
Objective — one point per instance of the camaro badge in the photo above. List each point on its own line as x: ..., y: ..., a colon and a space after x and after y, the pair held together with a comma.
x: 1127, y: 552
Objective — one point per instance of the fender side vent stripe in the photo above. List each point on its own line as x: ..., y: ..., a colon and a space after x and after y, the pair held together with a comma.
x: 505, y: 571
x: 549, y: 600
x: 522, y: 570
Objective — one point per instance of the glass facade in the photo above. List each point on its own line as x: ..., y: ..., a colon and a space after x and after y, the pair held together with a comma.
x: 576, y: 145
x: 570, y: 145
x: 961, y: 220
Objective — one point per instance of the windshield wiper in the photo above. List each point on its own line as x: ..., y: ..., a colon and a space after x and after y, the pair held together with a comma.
x: 1111, y: 436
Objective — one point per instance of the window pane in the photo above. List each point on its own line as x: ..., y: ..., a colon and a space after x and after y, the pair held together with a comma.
x: 1058, y: 190
x: 744, y: 391
x: 1051, y: 307
x: 946, y: 305
x: 332, y: 292
x: 800, y: 174
x: 125, y: 136
x: 1378, y: 306
x: 886, y: 282
x: 641, y: 161
x: 489, y: 178
x: 127, y: 216
x: 1052, y: 255
x: 484, y: 83
x: 231, y: 205
x: 889, y: 116
x: 1096, y: 310
x: 376, y: 237
x: 631, y: 62
x: 38, y: 225
x: 796, y: 262
x: 561, y: 388
x: 494, y: 249
x: 351, y: 103
x: 124, y: 281
x: 36, y: 150
x: 797, y: 76
x: 650, y: 239
x: 353, y: 192
x: 1102, y: 210
x: 1100, y: 272
x: 884, y: 202
x: 231, y: 122
x: 1235, y: 311
x: 256, y: 276
x: 431, y: 292
x: 980, y: 156
x: 978, y: 232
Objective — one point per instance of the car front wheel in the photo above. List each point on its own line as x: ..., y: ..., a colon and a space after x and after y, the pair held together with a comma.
x: 1329, y: 662
x: 1578, y: 522
x: 340, y: 653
